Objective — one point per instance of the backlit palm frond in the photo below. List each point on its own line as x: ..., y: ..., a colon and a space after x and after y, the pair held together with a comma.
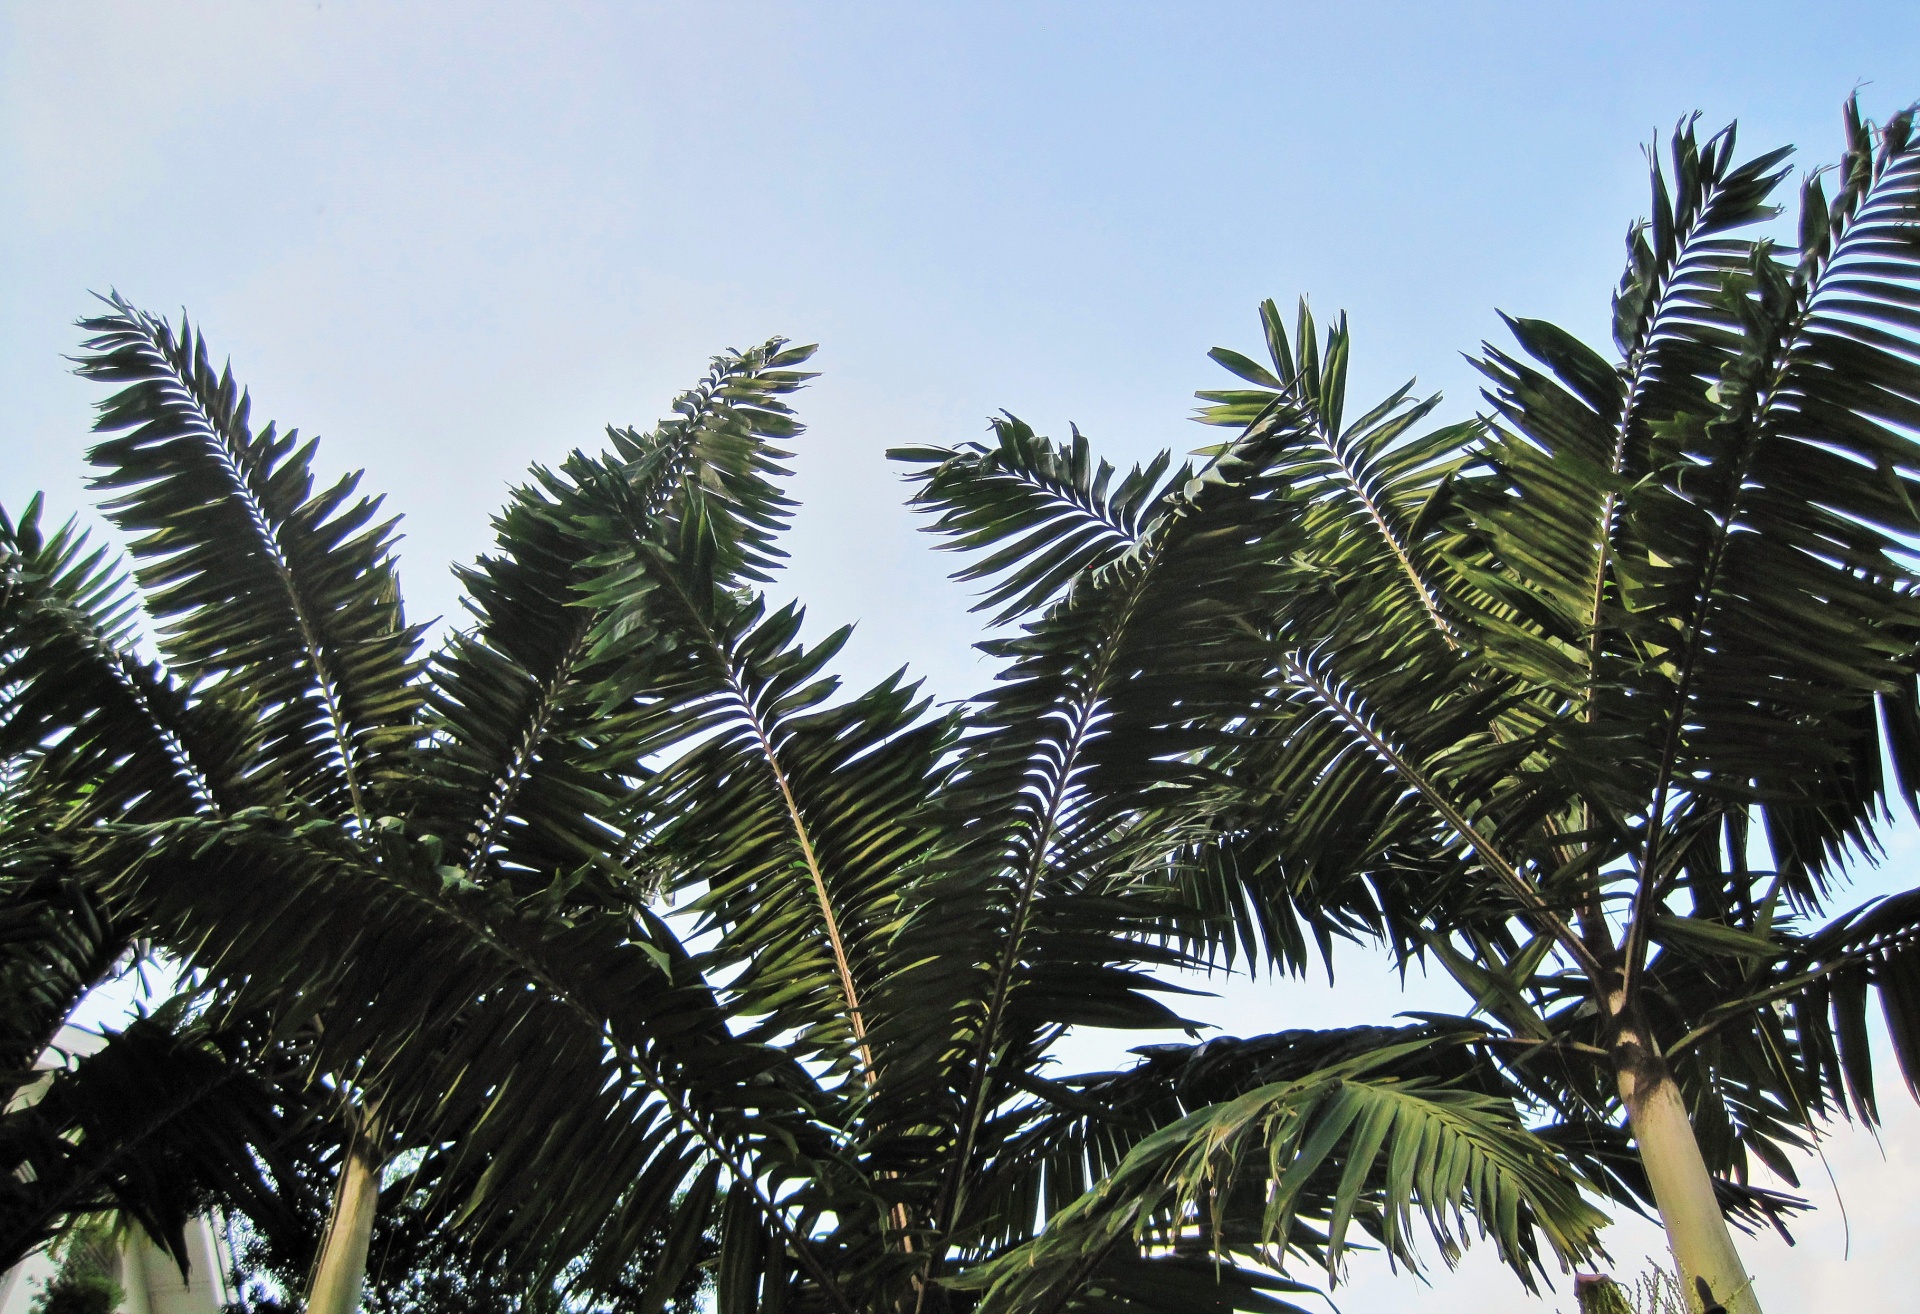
x: 448, y: 995
x: 791, y: 820
x: 1821, y: 589
x: 518, y: 772
x: 114, y: 734
x: 581, y: 1060
x: 786, y: 815
x: 1767, y: 562
x: 502, y: 780
x: 1667, y: 308
x: 157, y: 1119
x: 57, y: 941
x: 1690, y: 623
x: 1747, y: 526
x: 1584, y: 432
x: 1373, y: 476
x: 1293, y: 1165
x: 1384, y: 754
x: 253, y: 576
x: 705, y: 485
x: 1575, y: 442
x: 1084, y: 1125
x: 1801, y: 1004
x: 722, y: 446
x: 167, y: 1116
x: 1382, y: 793
x: 1072, y: 777
x: 1040, y: 512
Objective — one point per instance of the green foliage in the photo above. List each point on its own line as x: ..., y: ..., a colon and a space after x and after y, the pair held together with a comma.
x: 169, y: 1111
x: 89, y: 1258
x: 1590, y: 700
x: 1516, y: 695
x: 1146, y: 642
x: 1529, y: 696
x: 433, y: 876
x: 1238, y: 1175
x: 79, y: 1295
x: 170, y: 1114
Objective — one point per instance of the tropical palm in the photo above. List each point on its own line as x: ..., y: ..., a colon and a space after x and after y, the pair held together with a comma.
x: 444, y: 872
x: 1589, y: 700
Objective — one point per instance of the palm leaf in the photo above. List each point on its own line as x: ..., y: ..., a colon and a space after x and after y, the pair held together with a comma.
x: 252, y: 574
x: 456, y: 1005
x: 517, y: 775
x: 1068, y: 772
x: 78, y: 703
x: 1257, y: 1166
x: 168, y: 1115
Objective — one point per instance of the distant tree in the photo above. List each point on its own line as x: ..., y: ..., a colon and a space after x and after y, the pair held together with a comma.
x: 84, y: 1281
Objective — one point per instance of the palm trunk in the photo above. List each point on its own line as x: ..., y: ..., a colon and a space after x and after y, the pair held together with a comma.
x: 340, y: 1270
x: 1682, y: 1188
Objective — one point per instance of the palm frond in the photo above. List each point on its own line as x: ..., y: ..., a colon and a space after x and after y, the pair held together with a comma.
x: 1068, y: 772
x: 455, y: 1005
x: 1809, y: 1005
x: 1082, y: 1126
x: 518, y: 771
x: 57, y: 940
x: 1372, y: 473
x: 1291, y: 1166
x: 168, y: 1115
x: 450, y: 995
x: 253, y: 575
x: 793, y: 822
x: 1043, y: 512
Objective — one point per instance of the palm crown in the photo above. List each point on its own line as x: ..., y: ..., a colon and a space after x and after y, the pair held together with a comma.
x: 440, y: 872
x: 1518, y: 695
x: 1592, y: 700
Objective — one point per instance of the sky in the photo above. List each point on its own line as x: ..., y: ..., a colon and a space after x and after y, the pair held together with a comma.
x: 457, y: 239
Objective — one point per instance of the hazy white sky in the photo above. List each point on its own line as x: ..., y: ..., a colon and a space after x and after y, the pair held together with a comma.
x: 454, y: 239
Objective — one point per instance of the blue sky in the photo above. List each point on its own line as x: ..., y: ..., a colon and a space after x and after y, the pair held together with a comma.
x: 457, y: 239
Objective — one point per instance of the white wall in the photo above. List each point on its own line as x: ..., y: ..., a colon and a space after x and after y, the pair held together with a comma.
x: 148, y: 1275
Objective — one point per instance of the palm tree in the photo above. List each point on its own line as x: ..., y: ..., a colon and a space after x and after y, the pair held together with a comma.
x: 1592, y: 701
x: 834, y: 1049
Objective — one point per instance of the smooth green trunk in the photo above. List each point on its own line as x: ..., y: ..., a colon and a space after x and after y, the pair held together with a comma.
x: 1682, y: 1187
x: 340, y: 1269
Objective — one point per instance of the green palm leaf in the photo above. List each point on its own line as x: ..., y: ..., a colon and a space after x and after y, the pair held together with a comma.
x: 1256, y: 1167
x: 1068, y: 772
x: 1369, y: 474
x: 79, y: 704
x: 1680, y: 591
x: 253, y: 574
x: 836, y: 1051
x: 517, y: 773
x: 166, y: 1116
